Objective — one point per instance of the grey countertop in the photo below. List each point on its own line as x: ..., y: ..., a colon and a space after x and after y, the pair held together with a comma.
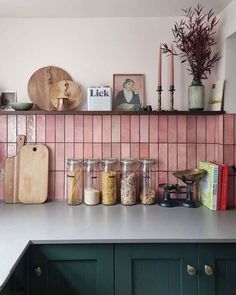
x: 56, y: 222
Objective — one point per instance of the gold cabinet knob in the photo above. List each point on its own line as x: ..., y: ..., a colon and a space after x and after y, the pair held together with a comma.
x: 38, y: 271
x: 191, y: 270
x: 208, y: 270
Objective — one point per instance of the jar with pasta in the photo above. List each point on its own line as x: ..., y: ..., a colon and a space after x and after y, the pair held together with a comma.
x: 74, y: 177
x: 91, y: 182
x: 109, y: 181
x: 148, y: 194
x: 128, y: 182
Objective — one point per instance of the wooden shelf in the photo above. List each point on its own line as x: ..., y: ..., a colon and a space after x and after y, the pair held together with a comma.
x: 41, y: 112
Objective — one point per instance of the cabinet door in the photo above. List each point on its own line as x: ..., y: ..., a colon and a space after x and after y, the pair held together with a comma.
x: 217, y: 269
x: 160, y: 269
x: 72, y: 269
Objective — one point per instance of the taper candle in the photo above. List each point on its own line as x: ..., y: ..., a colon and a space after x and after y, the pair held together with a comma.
x: 159, y: 82
x: 172, y: 68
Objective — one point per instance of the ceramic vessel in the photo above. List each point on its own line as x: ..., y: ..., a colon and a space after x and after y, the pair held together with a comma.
x: 196, y: 96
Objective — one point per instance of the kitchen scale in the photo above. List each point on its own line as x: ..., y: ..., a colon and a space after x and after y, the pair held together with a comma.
x: 175, y: 195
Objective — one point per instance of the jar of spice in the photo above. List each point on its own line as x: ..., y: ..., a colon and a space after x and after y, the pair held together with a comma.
x: 74, y: 190
x: 91, y: 182
x: 128, y: 182
x: 109, y: 180
x: 148, y: 195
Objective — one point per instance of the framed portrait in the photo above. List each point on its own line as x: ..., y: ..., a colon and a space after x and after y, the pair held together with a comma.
x: 128, y: 92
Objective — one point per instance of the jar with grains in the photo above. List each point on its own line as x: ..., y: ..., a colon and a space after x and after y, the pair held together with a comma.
x: 148, y: 195
x: 91, y: 182
x: 128, y: 182
x: 109, y: 181
x: 74, y: 195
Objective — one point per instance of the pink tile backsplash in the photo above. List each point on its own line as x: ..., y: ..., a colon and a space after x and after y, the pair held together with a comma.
x: 176, y: 142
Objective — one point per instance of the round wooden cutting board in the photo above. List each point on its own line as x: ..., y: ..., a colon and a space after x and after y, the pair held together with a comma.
x: 41, y: 82
x: 66, y: 89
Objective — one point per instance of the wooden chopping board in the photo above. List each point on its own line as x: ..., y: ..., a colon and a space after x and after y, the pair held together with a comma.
x: 68, y: 89
x: 33, y: 174
x: 40, y: 83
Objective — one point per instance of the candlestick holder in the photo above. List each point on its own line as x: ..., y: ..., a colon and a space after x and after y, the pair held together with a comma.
x: 159, y: 90
x: 172, y: 90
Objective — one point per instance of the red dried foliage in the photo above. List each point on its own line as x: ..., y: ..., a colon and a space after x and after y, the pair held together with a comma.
x: 194, y: 38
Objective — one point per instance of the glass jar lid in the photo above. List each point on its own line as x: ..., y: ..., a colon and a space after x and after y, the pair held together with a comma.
x: 128, y: 161
x: 91, y: 161
x: 147, y: 161
x: 109, y: 161
x: 74, y: 161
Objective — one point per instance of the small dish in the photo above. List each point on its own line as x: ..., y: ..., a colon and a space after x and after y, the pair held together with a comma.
x: 21, y: 106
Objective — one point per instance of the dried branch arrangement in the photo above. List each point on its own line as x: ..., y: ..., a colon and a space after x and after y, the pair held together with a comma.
x: 194, y: 38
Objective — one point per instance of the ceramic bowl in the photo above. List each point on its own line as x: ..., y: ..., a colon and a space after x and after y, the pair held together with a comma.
x: 21, y: 106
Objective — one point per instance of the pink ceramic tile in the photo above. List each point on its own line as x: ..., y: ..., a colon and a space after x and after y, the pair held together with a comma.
x: 60, y: 156
x: 1, y: 191
x: 116, y: 151
x: 97, y: 151
x: 135, y: 128
x: 231, y: 197
x: 229, y: 129
x: 21, y: 125
x: 69, y: 128
x: 50, y: 128
x: 134, y: 150
x: 60, y: 128
x: 201, y: 152
x: 163, y: 157
x: 106, y: 128
x: 97, y: 129
x: 217, y: 152
x: 51, y: 186
x: 79, y: 150
x: 221, y: 153
x: 172, y: 128
x: 172, y: 157
x: 144, y: 128
x: 11, y: 132
x: 163, y: 128
x: 153, y: 147
x: 153, y: 126
x: 171, y: 178
x: 182, y: 129
x: 31, y: 128
x: 210, y: 127
x: 125, y: 150
x: 125, y: 128
x: 106, y: 150
x: 40, y: 127
x: 88, y: 128
x: 11, y: 149
x: 217, y: 129
x: 115, y: 122
x: 2, y: 155
x: 221, y: 129
x: 69, y: 151
x: 144, y: 153
x: 182, y: 149
x: 191, y: 129
x: 59, y: 185
x: 229, y: 155
x: 79, y: 128
x: 52, y: 155
x: 88, y: 150
x: 191, y: 155
x: 162, y: 178
x: 210, y: 152
x: 201, y: 129
x: 3, y: 129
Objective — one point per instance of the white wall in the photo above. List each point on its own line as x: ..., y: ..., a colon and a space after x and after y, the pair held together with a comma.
x: 91, y: 50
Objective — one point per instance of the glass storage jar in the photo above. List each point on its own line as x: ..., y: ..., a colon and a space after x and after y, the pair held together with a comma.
x: 74, y: 191
x: 109, y: 181
x: 128, y: 182
x: 91, y: 182
x: 147, y: 195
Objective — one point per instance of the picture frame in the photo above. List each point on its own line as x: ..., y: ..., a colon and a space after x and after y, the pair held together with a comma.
x: 8, y: 97
x: 216, y: 99
x: 128, y: 92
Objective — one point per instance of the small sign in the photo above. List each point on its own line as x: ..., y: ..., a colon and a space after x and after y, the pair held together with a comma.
x: 99, y: 99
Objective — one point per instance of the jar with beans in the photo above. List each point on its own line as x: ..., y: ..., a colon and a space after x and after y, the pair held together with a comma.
x: 128, y: 182
x: 148, y: 195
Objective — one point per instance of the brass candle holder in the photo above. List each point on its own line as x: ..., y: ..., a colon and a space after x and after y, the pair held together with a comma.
x: 159, y: 90
x: 172, y: 90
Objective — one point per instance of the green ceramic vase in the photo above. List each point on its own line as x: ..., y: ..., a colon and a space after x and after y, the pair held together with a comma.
x: 196, y: 96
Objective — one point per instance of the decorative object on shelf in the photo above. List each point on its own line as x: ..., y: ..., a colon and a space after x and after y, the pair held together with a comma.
x: 159, y: 79
x: 99, y: 98
x: 7, y: 98
x: 172, y: 90
x: 128, y: 92
x: 148, y: 194
x: 159, y: 90
x: 194, y: 38
x: 147, y: 108
x: 21, y: 106
x: 40, y: 84
x: 216, y: 96
x: 65, y: 95
x: 74, y: 189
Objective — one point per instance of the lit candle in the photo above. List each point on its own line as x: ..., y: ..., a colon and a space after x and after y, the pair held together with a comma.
x: 172, y: 70
x: 159, y: 83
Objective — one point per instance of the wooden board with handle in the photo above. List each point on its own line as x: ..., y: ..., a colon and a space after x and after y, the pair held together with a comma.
x: 33, y: 174
x: 40, y: 83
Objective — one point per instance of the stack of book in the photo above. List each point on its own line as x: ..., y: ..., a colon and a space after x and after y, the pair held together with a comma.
x: 213, y: 188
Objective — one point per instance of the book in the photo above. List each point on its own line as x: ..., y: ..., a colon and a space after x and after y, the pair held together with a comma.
x: 216, y: 96
x: 219, y: 191
x: 208, y: 185
x: 224, y: 194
